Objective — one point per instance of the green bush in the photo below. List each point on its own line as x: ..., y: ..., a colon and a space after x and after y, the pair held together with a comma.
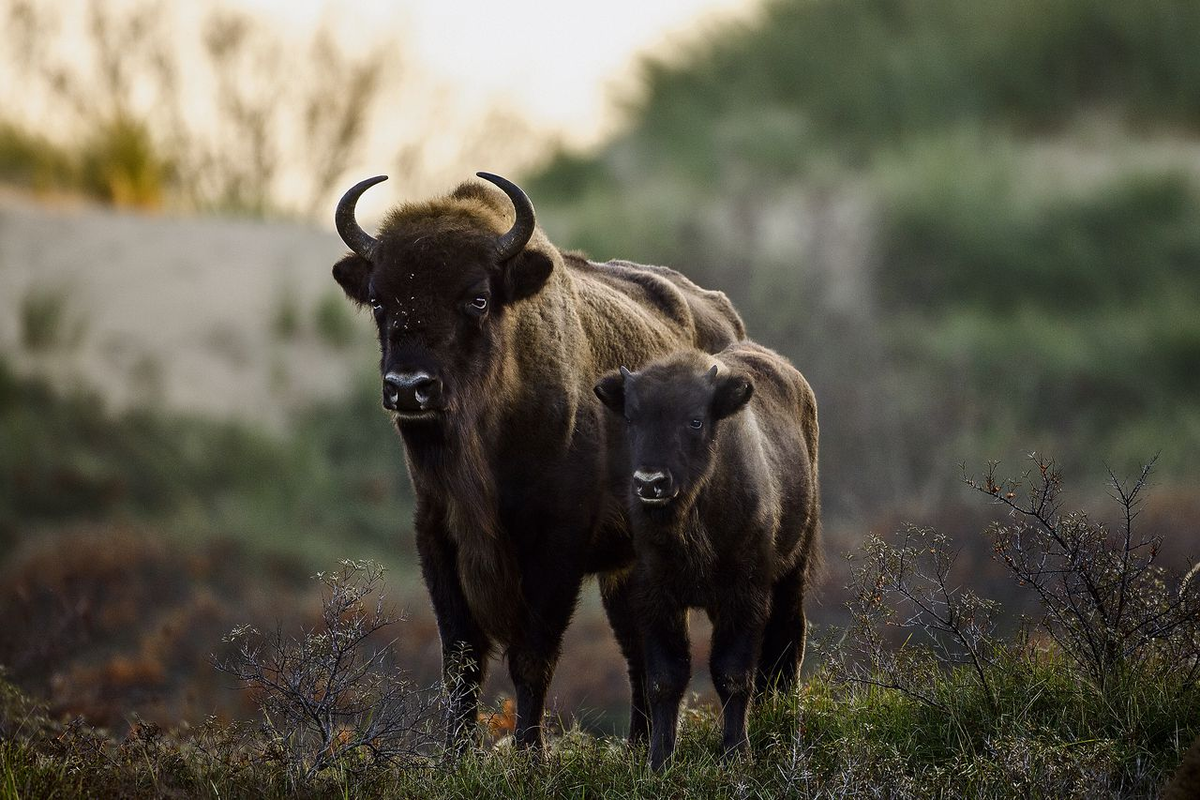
x: 971, y: 230
x: 334, y: 320
x: 49, y: 319
x: 326, y: 486
x: 27, y: 159
x: 865, y: 72
x: 122, y: 165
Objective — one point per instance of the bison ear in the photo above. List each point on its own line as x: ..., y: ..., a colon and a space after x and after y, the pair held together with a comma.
x: 732, y: 391
x: 525, y: 274
x: 353, y: 274
x: 611, y: 390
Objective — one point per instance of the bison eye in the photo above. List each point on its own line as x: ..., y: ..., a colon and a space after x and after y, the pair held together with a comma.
x: 376, y: 306
x: 696, y: 424
x: 479, y: 304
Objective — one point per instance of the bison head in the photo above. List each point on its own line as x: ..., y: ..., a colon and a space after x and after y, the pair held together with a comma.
x: 438, y: 278
x: 672, y: 409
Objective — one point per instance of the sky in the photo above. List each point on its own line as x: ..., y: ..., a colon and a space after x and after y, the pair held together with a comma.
x: 565, y: 69
x: 557, y: 73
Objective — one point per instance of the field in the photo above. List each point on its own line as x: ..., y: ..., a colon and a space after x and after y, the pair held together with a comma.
x: 975, y: 230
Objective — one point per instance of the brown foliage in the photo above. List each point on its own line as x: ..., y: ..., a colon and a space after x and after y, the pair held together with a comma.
x: 104, y: 620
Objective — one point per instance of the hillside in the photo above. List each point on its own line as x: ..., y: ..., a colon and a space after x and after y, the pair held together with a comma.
x: 222, y: 317
x: 975, y: 228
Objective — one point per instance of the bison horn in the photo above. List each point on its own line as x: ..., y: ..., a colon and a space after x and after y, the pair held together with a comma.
x: 515, y: 240
x: 355, y: 237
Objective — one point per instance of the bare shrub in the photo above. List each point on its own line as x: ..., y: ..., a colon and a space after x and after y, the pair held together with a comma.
x: 330, y: 698
x: 1105, y: 601
x: 217, y: 129
x: 1110, y: 609
x: 908, y: 585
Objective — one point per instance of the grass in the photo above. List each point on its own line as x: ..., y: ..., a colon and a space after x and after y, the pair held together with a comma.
x: 1050, y: 737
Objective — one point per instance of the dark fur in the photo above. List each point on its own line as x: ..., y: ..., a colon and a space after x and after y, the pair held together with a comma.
x: 512, y: 509
x: 1185, y: 783
x: 739, y: 538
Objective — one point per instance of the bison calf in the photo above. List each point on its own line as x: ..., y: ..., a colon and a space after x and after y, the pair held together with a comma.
x: 719, y: 461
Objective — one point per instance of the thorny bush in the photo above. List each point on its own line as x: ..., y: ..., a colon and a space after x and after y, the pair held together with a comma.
x: 1105, y: 602
x: 331, y: 697
x: 909, y: 585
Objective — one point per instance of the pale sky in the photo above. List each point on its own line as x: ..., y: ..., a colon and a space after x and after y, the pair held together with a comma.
x: 563, y: 72
x: 559, y: 64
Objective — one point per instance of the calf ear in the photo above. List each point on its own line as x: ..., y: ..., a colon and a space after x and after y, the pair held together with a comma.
x: 732, y: 391
x: 611, y: 391
x: 525, y: 274
x: 353, y: 274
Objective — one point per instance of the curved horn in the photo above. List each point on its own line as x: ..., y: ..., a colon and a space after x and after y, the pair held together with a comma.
x: 518, y: 236
x: 355, y: 237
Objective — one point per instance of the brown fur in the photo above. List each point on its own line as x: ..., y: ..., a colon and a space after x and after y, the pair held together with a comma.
x: 1185, y: 784
x: 513, y: 508
x: 722, y: 451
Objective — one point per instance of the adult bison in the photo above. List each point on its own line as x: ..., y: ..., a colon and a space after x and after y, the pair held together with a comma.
x: 491, y: 340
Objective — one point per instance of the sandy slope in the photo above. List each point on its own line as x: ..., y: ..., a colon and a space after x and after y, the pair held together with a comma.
x: 176, y: 310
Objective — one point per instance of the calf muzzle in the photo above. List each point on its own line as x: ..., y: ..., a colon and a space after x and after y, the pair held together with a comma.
x: 653, y: 487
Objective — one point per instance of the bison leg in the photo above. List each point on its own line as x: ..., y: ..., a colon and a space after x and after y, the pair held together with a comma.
x: 736, y: 641
x: 550, y: 598
x: 618, y: 604
x: 668, y: 668
x: 531, y: 672
x: 783, y: 640
x: 465, y: 647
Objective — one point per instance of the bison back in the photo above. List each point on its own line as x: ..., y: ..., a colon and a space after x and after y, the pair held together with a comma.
x: 705, y: 318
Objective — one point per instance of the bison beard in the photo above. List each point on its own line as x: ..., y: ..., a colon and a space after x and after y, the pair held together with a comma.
x: 455, y: 467
x: 505, y: 441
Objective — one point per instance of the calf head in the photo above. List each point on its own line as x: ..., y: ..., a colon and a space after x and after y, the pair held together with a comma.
x: 438, y: 278
x: 672, y: 410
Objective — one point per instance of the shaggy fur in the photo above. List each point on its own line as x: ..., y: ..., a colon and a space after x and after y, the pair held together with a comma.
x: 1185, y: 783
x: 512, y: 508
x: 731, y: 528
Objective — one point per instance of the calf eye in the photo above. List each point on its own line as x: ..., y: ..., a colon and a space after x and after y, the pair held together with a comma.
x: 696, y: 424
x: 479, y: 304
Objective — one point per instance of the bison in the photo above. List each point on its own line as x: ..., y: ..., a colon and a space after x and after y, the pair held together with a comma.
x: 491, y: 339
x: 719, y: 465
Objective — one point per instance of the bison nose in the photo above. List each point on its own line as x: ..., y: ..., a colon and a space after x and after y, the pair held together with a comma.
x: 411, y: 392
x: 653, y: 485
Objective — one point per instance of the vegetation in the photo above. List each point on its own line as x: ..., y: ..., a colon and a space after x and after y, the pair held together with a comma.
x: 973, y: 227
x: 329, y: 699
x: 949, y: 709
x: 333, y: 319
x: 322, y: 488
x: 49, y: 319
x: 139, y: 106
